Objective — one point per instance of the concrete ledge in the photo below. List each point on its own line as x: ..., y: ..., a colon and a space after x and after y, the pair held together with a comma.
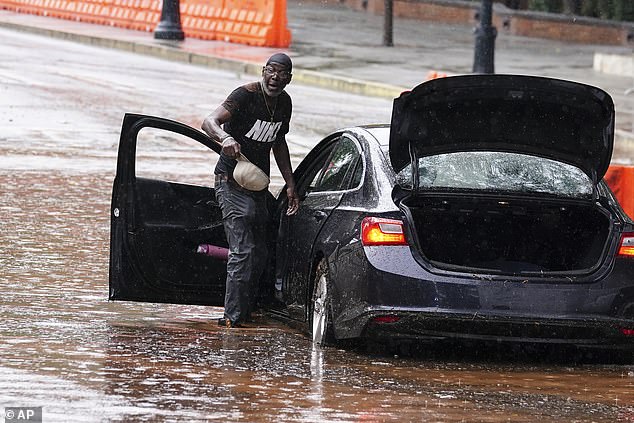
x: 623, y: 148
x: 624, y: 138
x: 614, y: 64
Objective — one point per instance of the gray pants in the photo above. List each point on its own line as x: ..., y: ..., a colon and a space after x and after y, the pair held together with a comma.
x: 245, y: 217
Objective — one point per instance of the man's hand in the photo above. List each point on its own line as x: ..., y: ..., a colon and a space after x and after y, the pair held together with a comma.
x: 293, y: 201
x: 231, y: 148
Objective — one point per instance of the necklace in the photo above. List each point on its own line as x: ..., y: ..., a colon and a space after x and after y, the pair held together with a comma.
x: 266, y: 103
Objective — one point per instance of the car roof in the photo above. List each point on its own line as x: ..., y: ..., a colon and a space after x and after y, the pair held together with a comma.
x: 381, y: 132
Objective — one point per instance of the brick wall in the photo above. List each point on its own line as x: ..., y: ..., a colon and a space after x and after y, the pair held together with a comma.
x: 433, y: 11
x: 580, y: 30
x: 515, y: 22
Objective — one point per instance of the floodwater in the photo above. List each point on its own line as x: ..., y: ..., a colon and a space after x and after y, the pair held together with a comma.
x: 66, y: 348
x: 83, y: 359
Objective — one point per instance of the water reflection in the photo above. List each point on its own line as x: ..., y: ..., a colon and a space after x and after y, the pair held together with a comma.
x: 316, y: 382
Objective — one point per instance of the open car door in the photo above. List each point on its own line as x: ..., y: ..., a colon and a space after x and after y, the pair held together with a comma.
x: 157, y: 224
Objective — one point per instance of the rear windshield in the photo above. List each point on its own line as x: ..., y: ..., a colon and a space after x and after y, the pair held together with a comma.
x: 496, y: 171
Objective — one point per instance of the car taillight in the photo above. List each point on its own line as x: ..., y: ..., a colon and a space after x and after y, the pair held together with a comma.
x: 626, y: 249
x: 386, y: 319
x: 627, y: 331
x: 380, y: 231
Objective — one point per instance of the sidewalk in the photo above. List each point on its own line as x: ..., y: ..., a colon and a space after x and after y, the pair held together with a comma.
x: 338, y: 48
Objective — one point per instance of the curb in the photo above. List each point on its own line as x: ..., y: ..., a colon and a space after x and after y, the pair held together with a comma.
x: 165, y: 51
x: 350, y: 85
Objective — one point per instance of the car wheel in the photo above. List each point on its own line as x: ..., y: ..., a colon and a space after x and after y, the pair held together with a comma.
x: 321, y: 324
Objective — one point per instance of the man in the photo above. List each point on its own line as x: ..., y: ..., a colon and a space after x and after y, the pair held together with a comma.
x: 252, y: 121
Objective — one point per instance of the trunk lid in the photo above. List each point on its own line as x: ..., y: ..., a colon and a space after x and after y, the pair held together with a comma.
x: 555, y: 119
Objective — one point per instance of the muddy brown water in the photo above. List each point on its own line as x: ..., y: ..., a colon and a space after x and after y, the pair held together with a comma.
x: 66, y: 348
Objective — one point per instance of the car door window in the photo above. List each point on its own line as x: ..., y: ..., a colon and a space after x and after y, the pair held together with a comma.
x: 311, y: 177
x: 339, y: 168
x: 357, y: 175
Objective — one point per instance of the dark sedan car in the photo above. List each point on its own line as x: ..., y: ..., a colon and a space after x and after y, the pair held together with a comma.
x: 480, y: 213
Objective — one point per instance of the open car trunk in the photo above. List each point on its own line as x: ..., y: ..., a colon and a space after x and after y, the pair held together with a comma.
x: 495, y: 234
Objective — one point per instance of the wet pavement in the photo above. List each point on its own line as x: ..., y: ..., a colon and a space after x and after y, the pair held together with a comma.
x: 83, y: 359
x: 341, y: 49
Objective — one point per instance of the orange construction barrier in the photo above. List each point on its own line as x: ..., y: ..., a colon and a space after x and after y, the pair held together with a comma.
x: 620, y: 179
x: 255, y: 22
x: 201, y: 18
x: 252, y: 22
x: 435, y: 75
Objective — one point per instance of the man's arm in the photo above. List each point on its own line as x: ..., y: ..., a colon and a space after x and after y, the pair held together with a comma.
x: 283, y: 160
x: 212, y: 125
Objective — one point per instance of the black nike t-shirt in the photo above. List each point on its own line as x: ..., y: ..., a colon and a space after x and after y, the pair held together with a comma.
x: 253, y: 125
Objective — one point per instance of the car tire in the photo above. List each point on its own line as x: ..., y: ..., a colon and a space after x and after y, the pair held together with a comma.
x: 322, y: 331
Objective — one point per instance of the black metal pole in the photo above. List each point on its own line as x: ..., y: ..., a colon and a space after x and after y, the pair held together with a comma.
x: 388, y: 27
x: 485, y: 35
x: 169, y: 28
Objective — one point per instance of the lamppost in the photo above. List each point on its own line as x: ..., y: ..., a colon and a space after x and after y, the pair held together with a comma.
x: 169, y: 28
x: 388, y: 27
x: 485, y: 35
